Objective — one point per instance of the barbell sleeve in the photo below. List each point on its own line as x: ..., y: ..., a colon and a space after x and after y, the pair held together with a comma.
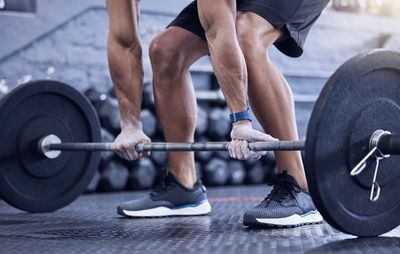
x: 181, y: 147
x: 389, y: 144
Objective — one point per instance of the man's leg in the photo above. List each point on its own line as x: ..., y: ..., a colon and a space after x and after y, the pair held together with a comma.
x: 269, y: 94
x: 271, y: 99
x: 172, y: 53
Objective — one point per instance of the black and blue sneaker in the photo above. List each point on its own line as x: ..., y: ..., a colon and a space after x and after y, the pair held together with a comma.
x: 169, y: 198
x: 286, y: 206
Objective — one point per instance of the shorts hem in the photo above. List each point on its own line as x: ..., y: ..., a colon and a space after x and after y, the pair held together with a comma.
x: 189, y: 28
x: 290, y: 46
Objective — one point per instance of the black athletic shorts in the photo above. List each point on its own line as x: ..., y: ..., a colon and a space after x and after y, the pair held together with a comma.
x: 295, y: 17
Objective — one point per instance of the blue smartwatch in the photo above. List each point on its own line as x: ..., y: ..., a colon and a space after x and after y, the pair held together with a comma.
x: 243, y: 115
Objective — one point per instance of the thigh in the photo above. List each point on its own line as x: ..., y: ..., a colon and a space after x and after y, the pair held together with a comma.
x: 124, y: 19
x: 188, y: 19
x: 216, y: 14
x: 181, y: 45
x: 255, y: 29
x: 294, y: 17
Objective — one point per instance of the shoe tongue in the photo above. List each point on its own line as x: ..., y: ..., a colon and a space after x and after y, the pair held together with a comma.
x: 285, y: 177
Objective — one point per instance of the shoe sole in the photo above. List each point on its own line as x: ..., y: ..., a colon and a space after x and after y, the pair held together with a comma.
x: 201, y: 208
x: 313, y: 217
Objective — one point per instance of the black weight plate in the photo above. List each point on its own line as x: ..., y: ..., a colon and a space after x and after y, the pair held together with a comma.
x: 361, y: 96
x: 28, y: 180
x: 380, y: 113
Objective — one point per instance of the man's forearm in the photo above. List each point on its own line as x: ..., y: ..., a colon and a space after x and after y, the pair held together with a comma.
x: 218, y: 20
x: 127, y: 75
x: 125, y: 58
x: 231, y: 72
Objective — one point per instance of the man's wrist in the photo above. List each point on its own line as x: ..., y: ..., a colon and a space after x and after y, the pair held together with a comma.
x: 132, y: 124
x: 239, y: 116
x: 242, y: 122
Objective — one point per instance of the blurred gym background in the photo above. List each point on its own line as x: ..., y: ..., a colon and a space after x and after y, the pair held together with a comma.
x: 66, y: 41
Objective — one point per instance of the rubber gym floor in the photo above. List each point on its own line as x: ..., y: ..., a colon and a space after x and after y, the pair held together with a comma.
x: 91, y: 225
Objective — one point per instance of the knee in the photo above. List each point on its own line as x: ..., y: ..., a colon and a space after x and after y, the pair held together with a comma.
x: 249, y: 44
x: 158, y: 52
x: 165, y: 56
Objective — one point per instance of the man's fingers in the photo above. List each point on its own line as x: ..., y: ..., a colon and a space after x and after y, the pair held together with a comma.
x: 244, y: 148
x: 233, y: 149
x: 230, y: 149
x: 127, y: 154
x: 239, y: 152
x: 257, y: 155
x: 132, y: 154
x: 239, y: 149
x: 123, y: 152
x: 264, y: 137
x: 140, y: 155
x: 117, y: 149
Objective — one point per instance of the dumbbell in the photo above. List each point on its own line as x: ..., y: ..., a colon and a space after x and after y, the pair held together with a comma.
x: 114, y: 176
x: 203, y: 156
x: 202, y: 120
x: 92, y: 187
x: 149, y: 122
x: 271, y: 171
x: 107, y: 137
x: 256, y: 173
x: 107, y: 108
x: 108, y: 111
x: 260, y: 171
x: 109, y: 115
x: 199, y: 170
x: 159, y: 158
x: 237, y: 172
x: 220, y: 124
x: 213, y: 97
x: 93, y: 95
x: 142, y: 175
x: 148, y: 96
x: 216, y: 172
x: 224, y: 156
x: 112, y: 93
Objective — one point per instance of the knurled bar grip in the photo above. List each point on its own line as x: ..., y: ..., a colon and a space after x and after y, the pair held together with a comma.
x: 182, y: 147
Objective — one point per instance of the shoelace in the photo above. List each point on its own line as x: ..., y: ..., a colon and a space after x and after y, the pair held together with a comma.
x: 283, y: 189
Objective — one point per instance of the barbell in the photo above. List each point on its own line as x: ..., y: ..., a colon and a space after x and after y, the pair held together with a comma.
x: 50, y: 142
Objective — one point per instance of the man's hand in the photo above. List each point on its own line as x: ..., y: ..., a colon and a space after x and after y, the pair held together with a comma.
x: 124, y: 145
x: 241, y: 134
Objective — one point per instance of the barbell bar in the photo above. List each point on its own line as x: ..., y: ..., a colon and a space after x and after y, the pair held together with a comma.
x: 388, y: 144
x: 52, y: 143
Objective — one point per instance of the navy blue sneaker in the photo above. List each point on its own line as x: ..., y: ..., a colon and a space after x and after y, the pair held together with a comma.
x: 286, y: 206
x: 169, y: 198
